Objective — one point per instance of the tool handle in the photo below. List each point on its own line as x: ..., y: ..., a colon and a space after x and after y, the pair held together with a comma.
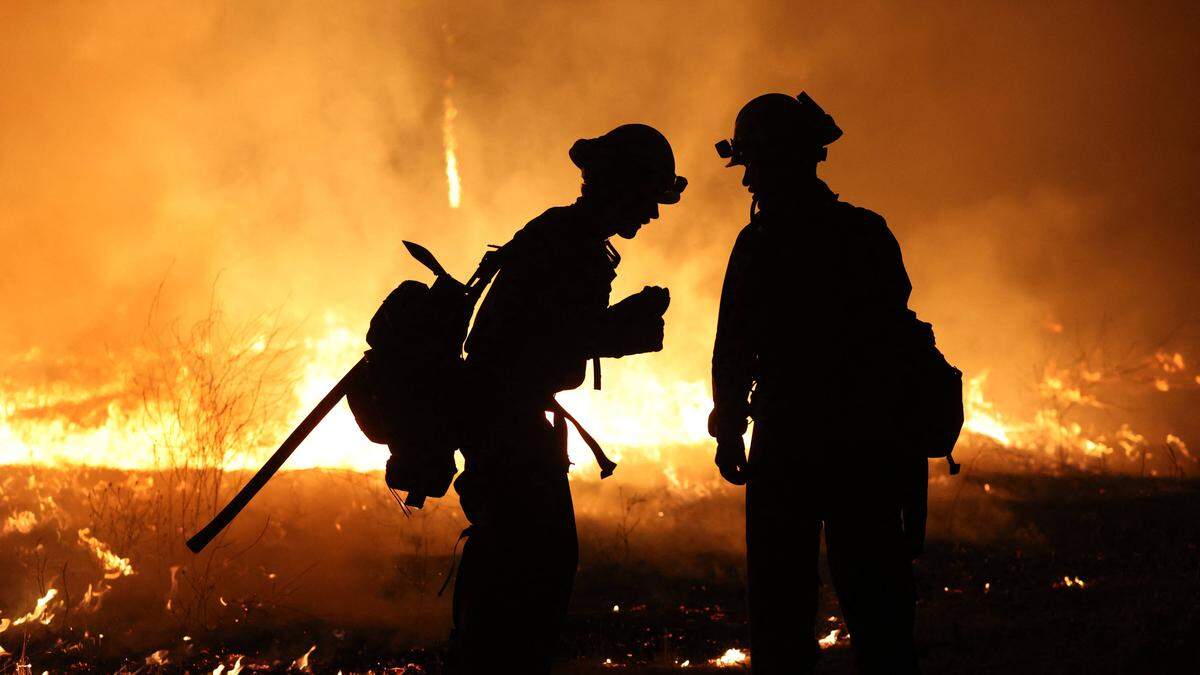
x: 219, y: 522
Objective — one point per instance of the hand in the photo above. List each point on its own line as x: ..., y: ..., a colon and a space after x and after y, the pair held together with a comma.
x: 635, y: 324
x: 656, y: 298
x: 650, y: 302
x: 731, y: 460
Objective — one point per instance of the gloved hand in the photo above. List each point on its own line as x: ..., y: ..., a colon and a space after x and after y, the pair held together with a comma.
x: 635, y: 325
x: 731, y: 459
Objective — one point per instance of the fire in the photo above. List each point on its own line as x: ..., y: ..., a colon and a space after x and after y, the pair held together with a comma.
x: 731, y: 657
x: 450, y: 143
x: 175, y: 586
x: 1060, y: 393
x: 638, y: 411
x: 22, y: 521
x: 642, y: 413
x: 40, y: 613
x: 114, y: 565
x: 301, y: 663
x: 829, y: 640
x: 980, y: 415
x: 235, y: 670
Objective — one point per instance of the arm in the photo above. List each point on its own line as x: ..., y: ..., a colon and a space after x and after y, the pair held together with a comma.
x: 734, y: 360
x: 894, y: 282
x: 892, y: 286
x: 733, y: 351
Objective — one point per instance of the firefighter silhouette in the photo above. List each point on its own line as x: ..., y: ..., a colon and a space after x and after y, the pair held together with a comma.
x: 546, y: 315
x: 812, y: 293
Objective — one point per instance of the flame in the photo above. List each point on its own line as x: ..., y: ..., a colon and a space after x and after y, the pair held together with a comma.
x: 39, y: 613
x: 1060, y: 391
x: 1170, y: 362
x: 450, y: 143
x: 175, y: 586
x: 829, y: 640
x: 731, y: 657
x: 20, y: 521
x: 301, y: 663
x: 643, y: 413
x: 638, y: 411
x: 980, y: 415
x: 114, y: 565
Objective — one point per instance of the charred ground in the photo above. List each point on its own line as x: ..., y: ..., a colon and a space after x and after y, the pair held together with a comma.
x: 1073, y: 572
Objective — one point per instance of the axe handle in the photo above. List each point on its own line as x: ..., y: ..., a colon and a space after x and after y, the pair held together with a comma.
x: 243, y: 497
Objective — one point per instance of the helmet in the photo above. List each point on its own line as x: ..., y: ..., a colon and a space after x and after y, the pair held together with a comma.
x: 778, y: 123
x: 631, y: 153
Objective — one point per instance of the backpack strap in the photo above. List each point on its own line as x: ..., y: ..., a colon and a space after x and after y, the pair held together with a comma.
x: 488, y: 267
x: 560, y: 413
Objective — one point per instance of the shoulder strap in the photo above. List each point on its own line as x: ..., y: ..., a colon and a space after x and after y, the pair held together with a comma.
x: 488, y: 267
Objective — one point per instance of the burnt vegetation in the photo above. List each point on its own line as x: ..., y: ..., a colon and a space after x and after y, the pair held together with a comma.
x: 1076, y: 573
x: 1068, y: 544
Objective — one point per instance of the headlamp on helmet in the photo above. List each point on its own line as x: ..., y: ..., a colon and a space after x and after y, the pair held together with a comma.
x: 777, y: 123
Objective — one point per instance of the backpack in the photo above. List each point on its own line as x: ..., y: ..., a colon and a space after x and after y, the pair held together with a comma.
x: 406, y: 393
x: 929, y: 413
x: 929, y: 400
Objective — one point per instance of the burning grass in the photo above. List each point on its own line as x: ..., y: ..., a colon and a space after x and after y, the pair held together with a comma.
x: 1042, y: 573
x: 1066, y: 527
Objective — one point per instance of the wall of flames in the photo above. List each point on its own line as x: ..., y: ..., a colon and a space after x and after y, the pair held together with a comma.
x: 156, y: 160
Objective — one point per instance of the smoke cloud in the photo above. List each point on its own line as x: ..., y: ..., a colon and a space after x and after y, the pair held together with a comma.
x: 1038, y: 163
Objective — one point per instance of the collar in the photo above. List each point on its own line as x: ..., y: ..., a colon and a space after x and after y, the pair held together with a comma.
x: 806, y: 197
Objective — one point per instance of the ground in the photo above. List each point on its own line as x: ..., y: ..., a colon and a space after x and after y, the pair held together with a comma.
x: 1031, y: 573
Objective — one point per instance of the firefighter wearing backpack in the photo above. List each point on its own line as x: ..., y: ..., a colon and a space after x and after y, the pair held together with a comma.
x: 814, y: 302
x: 546, y: 315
